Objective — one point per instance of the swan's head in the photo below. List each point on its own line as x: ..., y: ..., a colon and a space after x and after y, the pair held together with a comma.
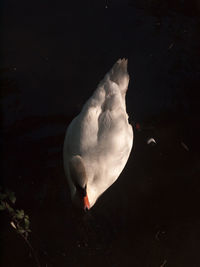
x: 80, y: 198
x: 78, y: 183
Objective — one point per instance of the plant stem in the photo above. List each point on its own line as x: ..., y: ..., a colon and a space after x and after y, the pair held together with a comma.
x: 31, y: 249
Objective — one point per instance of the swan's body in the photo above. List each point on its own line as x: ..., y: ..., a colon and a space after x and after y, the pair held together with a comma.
x: 99, y: 140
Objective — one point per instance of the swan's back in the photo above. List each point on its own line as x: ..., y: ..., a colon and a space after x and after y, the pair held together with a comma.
x: 101, y: 134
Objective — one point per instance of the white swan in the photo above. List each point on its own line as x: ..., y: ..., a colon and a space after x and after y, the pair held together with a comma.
x: 99, y: 140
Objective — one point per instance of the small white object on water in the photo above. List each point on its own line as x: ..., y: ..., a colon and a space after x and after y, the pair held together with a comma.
x: 150, y: 141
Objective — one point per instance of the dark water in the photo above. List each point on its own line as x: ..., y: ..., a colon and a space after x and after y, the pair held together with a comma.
x: 53, y: 56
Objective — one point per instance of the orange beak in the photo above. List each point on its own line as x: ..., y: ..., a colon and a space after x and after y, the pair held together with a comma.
x: 86, y: 203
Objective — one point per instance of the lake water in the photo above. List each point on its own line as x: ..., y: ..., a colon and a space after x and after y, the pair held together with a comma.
x: 53, y: 57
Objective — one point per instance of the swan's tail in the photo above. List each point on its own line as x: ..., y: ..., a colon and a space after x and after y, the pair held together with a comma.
x: 119, y: 74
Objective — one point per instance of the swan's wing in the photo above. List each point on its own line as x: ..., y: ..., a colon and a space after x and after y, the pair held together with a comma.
x: 115, y: 133
x: 103, y: 120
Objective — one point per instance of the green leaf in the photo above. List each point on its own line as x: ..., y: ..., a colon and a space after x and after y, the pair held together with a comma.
x: 19, y: 214
x: 26, y: 235
x: 9, y: 208
x: 3, y: 196
x: 2, y: 205
x: 21, y: 231
x: 27, y: 223
x: 12, y: 197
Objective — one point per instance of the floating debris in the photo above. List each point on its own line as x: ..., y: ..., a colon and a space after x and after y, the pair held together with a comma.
x: 151, y: 141
x: 164, y: 263
x: 171, y: 45
x: 184, y: 146
x: 158, y: 234
x: 137, y: 126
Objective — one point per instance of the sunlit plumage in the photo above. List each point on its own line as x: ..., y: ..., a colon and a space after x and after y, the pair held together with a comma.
x: 99, y: 140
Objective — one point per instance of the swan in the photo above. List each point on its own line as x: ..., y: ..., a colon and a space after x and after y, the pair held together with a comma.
x: 99, y: 140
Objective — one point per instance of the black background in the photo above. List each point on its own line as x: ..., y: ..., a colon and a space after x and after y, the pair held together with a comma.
x: 53, y: 55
